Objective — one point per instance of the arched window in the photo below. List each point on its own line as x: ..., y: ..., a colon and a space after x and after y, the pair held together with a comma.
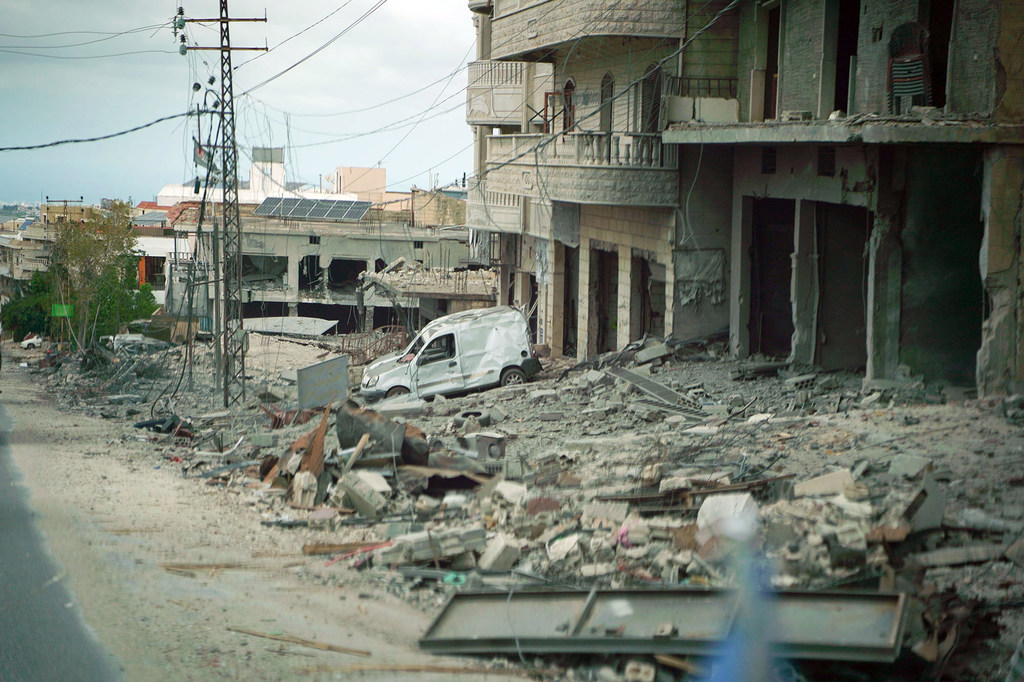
x: 607, y: 94
x: 569, y: 110
x: 650, y: 100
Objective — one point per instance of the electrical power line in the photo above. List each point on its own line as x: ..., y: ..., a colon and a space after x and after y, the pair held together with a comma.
x: 98, y: 138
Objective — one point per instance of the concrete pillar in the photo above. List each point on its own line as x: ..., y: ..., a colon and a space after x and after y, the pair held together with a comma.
x: 885, y: 281
x: 586, y: 324
x: 293, y: 310
x: 829, y: 48
x: 739, y: 275
x: 804, y: 283
x: 624, y: 295
x: 293, y: 275
x: 1000, y: 360
x: 554, y: 299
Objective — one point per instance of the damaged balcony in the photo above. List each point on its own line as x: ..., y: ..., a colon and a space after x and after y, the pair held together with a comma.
x: 493, y: 211
x: 503, y: 93
x: 523, y: 27
x: 626, y: 168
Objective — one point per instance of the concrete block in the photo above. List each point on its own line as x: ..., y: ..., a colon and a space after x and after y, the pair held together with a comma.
x: 652, y: 353
x: 679, y: 109
x: 562, y: 548
x: 716, y: 110
x: 263, y: 440
x: 605, y: 514
x: 827, y: 484
x: 375, y: 481
x: 401, y: 407
x: 303, y: 489
x: 909, y: 466
x: 512, y: 493
x: 360, y: 496
x: 717, y: 508
x: 543, y: 394
x: 926, y: 510
x: 501, y: 554
x: 598, y: 570
x: 639, y: 671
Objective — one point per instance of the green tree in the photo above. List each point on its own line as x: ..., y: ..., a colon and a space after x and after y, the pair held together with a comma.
x: 29, y: 309
x: 93, y: 266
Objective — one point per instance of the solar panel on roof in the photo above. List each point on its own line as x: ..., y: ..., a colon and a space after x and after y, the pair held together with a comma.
x: 313, y: 209
x: 302, y: 208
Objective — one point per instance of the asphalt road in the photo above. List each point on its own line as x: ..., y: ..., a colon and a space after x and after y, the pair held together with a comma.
x: 43, y: 636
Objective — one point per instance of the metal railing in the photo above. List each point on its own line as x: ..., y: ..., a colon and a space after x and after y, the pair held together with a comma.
x: 686, y: 86
x: 589, y: 148
x: 368, y: 346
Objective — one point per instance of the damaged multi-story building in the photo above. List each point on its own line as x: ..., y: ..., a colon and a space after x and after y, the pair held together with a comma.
x: 837, y: 182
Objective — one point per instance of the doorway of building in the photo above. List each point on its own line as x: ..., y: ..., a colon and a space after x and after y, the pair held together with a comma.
x: 604, y: 278
x: 570, y: 300
x: 771, y: 268
x: 647, y: 301
x: 842, y: 233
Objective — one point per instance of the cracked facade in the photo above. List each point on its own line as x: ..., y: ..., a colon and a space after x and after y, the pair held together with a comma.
x: 837, y: 182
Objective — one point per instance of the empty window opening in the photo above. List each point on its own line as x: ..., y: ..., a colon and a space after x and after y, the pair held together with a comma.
x: 827, y: 161
x: 568, y: 108
x: 570, y: 301
x: 607, y: 95
x: 768, y: 160
x: 314, y: 239
x: 940, y: 26
x: 771, y: 313
x: 846, y: 52
x: 265, y: 272
x: 604, y: 320
x: 310, y: 273
x: 344, y: 274
x: 771, y: 67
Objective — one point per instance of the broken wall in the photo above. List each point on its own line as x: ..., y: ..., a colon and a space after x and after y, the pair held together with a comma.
x: 878, y: 20
x: 972, y: 59
x: 800, y: 58
x: 628, y: 232
x: 701, y: 248
x: 1000, y: 362
x: 1010, y: 62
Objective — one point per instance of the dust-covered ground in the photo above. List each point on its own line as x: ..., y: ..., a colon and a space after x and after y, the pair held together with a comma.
x: 114, y: 510
x: 116, y: 507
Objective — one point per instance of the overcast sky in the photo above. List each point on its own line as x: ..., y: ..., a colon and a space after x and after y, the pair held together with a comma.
x: 403, y: 46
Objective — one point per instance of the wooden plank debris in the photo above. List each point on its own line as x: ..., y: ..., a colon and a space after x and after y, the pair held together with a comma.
x: 312, y: 644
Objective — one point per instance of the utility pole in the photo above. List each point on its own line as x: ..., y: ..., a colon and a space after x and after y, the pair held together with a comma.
x: 233, y: 340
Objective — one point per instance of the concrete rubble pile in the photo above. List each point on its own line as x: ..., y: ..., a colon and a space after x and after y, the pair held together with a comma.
x: 632, y: 470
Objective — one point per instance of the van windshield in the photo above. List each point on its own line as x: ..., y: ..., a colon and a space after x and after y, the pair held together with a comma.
x: 413, y: 349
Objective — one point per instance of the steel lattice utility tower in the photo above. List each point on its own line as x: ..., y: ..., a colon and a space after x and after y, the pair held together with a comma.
x: 234, y: 341
x: 234, y: 337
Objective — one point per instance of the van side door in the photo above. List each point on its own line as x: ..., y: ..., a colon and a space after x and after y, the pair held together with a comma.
x: 438, y: 367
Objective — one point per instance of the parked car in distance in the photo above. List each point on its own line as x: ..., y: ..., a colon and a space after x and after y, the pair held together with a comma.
x: 33, y: 340
x: 468, y: 350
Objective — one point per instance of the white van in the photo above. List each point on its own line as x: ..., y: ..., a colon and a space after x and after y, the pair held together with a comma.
x: 458, y: 352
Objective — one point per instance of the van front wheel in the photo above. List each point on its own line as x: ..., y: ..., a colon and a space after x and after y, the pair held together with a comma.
x: 396, y: 391
x: 513, y: 376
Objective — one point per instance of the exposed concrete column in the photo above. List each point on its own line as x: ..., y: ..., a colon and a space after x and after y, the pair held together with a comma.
x: 624, y: 297
x: 554, y: 302
x: 293, y: 310
x: 739, y: 275
x: 670, y: 293
x: 293, y: 275
x: 804, y: 283
x: 1000, y: 366
x: 586, y: 343
x: 885, y: 281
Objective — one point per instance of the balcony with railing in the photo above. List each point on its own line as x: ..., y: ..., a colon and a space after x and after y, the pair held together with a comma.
x: 524, y: 26
x: 493, y: 211
x: 499, y: 92
x: 628, y: 168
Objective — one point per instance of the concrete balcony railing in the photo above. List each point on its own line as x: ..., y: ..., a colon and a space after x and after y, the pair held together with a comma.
x: 520, y: 27
x: 632, y: 169
x: 499, y: 92
x: 614, y: 149
x: 493, y: 211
